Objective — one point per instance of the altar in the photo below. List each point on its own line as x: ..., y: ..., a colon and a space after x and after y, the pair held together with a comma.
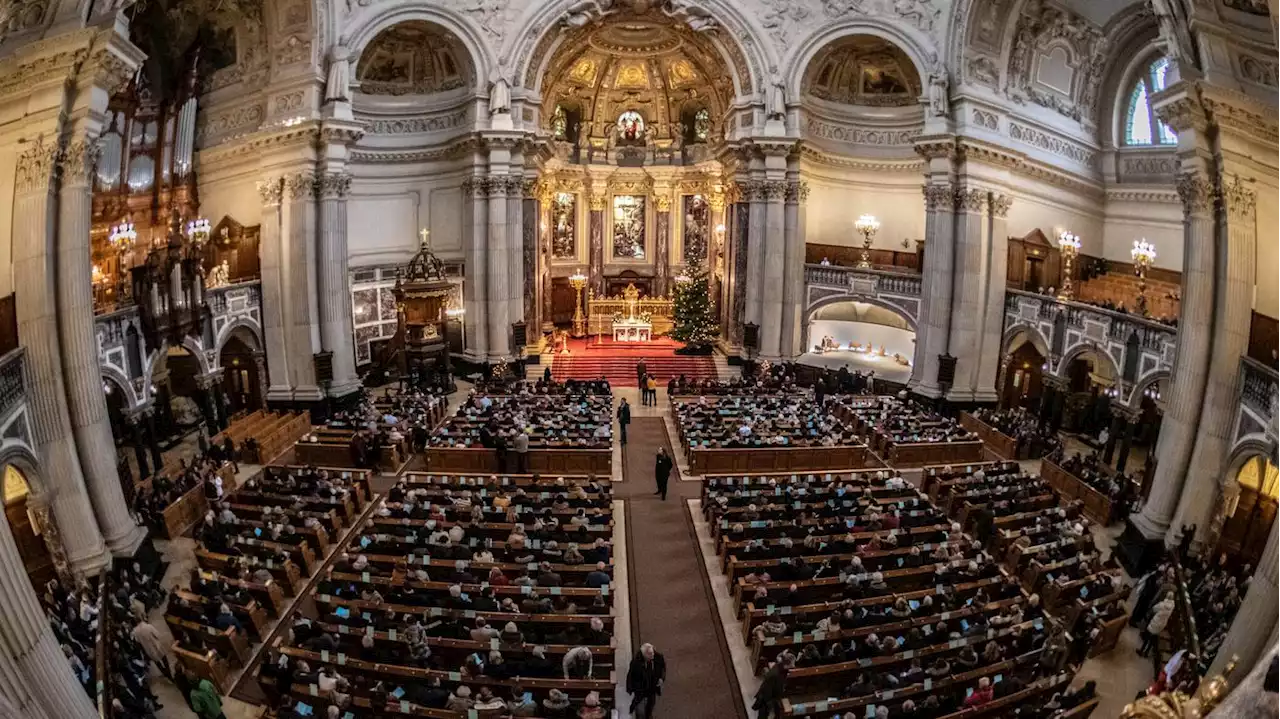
x: 632, y: 330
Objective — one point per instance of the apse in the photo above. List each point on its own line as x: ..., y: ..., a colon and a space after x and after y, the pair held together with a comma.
x: 414, y: 57
x: 863, y: 337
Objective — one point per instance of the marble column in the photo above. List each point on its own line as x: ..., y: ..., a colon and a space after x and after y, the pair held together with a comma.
x: 1236, y: 265
x: 35, y: 262
x: 1190, y: 367
x: 34, y: 674
x: 934, y: 329
x: 301, y: 300
x: 735, y: 313
x: 271, y: 258
x: 86, y: 402
x: 475, y: 223
x: 1253, y: 629
x: 753, y: 192
x: 969, y: 297
x: 595, y: 251
x: 498, y: 253
x: 992, y: 336
x: 790, y: 345
x: 530, y: 216
x: 662, y: 243
x: 774, y: 260
x: 717, y: 257
x: 333, y: 282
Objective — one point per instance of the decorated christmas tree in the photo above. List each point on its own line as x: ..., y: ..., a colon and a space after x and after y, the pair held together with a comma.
x: 694, y: 323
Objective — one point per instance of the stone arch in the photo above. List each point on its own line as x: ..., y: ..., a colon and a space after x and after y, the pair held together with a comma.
x: 252, y: 328
x: 865, y: 299
x: 1243, y: 451
x: 1099, y: 356
x: 1135, y: 396
x: 914, y: 44
x: 122, y: 383
x: 190, y: 344
x: 18, y: 454
x: 744, y: 47
x: 1027, y: 332
x: 367, y: 26
x: 1131, y: 28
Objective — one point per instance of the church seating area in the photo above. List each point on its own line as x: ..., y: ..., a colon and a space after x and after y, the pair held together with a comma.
x: 271, y: 434
x: 1106, y: 494
x: 875, y: 598
x: 1114, y: 290
x: 460, y: 590
x: 907, y: 435
x: 1011, y: 433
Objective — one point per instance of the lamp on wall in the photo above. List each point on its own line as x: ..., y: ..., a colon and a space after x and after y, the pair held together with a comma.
x: 1069, y: 242
x: 868, y: 225
x: 1143, y: 253
x: 578, y: 281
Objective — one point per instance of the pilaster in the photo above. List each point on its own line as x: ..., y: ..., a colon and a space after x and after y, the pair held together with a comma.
x: 514, y: 284
x: 475, y: 225
x: 301, y: 299
x: 34, y: 256
x: 86, y: 403
x: 530, y: 220
x: 754, y: 194
x: 793, y: 270
x: 271, y: 193
x: 662, y: 240
x: 997, y: 253
x: 969, y: 300
x: 775, y: 252
x: 498, y: 249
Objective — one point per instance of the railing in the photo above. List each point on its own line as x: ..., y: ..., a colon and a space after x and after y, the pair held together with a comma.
x: 864, y: 281
x: 1118, y: 323
x: 12, y: 383
x: 1258, y: 386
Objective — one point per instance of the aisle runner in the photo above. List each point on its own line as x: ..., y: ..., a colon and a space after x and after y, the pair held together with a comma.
x: 671, y: 600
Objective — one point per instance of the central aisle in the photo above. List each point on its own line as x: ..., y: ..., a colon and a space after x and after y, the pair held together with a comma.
x: 671, y: 600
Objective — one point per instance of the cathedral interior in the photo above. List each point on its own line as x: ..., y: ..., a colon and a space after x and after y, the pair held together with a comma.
x: 881, y: 241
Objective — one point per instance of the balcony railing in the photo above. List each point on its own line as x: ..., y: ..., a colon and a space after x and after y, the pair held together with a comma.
x: 863, y: 281
x: 1258, y: 386
x: 13, y: 388
x: 1119, y: 325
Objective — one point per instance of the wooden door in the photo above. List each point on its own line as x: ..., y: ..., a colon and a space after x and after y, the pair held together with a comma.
x: 35, y: 555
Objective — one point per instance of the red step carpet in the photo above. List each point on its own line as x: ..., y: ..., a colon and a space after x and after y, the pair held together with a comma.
x: 616, y: 361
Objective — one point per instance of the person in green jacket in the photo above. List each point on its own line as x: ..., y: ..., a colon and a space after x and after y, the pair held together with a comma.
x: 205, y: 701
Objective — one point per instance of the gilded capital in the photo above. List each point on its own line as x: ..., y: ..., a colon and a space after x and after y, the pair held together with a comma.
x: 662, y: 203
x: 599, y: 201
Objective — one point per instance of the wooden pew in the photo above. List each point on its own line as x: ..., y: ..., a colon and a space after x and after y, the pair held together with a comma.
x: 735, y: 460
x: 267, y: 594
x: 251, y: 614
x: 286, y: 573
x: 551, y: 460
x: 229, y: 642
x: 209, y: 665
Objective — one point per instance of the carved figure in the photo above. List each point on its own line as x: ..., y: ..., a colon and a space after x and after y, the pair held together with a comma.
x: 777, y: 102
x: 337, y: 86
x: 499, y: 97
x: 939, y: 102
x: 1172, y: 18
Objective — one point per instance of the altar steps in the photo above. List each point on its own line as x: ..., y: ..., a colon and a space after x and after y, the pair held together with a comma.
x: 621, y: 370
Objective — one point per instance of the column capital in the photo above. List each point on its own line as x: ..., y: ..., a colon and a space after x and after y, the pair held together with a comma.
x: 333, y: 185
x: 78, y: 161
x: 529, y: 187
x: 271, y: 191
x: 301, y: 185
x: 797, y: 191
x: 1239, y: 199
x: 774, y: 189
x: 1000, y: 205
x: 971, y: 199
x: 598, y: 200
x: 662, y: 202
x: 940, y: 196
x: 38, y: 165
x: 750, y: 190
x: 1184, y: 112
x: 1197, y: 193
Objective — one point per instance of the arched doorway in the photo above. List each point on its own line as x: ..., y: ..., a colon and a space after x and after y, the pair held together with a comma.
x: 36, y: 559
x: 243, y: 368
x: 1089, y: 375
x: 1024, y: 375
x: 861, y: 336
x: 1245, y: 532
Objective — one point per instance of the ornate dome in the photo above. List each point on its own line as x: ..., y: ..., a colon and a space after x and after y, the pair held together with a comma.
x: 412, y: 58
x: 648, y: 65
x: 863, y: 70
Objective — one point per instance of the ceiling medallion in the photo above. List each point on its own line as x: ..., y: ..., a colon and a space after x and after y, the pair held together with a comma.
x: 637, y: 38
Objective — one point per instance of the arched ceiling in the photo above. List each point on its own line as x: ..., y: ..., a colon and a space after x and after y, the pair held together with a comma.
x: 644, y: 62
x: 862, y: 70
x: 412, y: 58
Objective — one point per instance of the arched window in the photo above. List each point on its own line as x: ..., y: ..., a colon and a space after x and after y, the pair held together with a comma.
x: 631, y: 126
x: 1141, y: 126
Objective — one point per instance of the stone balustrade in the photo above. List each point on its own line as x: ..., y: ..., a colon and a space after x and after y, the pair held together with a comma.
x: 1256, y: 413
x: 896, y: 291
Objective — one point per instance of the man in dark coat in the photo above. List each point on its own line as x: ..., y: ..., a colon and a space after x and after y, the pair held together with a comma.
x: 773, y: 689
x: 644, y: 680
x: 662, y: 471
x: 641, y: 370
x: 624, y: 419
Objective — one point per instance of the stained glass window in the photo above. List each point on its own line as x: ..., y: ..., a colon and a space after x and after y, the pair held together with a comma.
x: 631, y: 126
x: 559, y: 123
x: 628, y: 227
x: 1141, y: 126
x: 697, y: 225
x: 564, y: 214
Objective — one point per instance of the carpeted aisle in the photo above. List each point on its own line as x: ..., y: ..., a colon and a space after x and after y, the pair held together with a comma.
x: 671, y: 600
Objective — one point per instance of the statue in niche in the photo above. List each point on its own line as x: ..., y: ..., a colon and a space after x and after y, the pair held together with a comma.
x: 500, y: 97
x: 939, y: 102
x: 337, y: 86
x: 777, y: 102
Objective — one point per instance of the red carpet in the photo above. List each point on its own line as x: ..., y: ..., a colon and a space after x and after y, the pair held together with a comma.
x: 616, y: 361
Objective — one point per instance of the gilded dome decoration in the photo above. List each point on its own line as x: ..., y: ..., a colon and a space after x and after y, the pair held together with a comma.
x: 412, y: 58
x: 863, y: 70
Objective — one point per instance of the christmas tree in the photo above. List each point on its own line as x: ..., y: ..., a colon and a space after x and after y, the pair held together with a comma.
x: 694, y: 323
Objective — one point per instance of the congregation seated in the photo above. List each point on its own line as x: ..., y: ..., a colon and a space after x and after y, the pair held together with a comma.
x: 1090, y: 469
x: 788, y: 420
x: 543, y: 386
x: 149, y: 503
x: 739, y: 386
x: 1024, y: 427
x: 909, y: 422
x: 1216, y: 593
x: 564, y: 421
x: 463, y: 593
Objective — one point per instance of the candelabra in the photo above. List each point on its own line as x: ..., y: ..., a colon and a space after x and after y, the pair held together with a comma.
x: 1143, y: 253
x: 868, y: 225
x: 122, y: 239
x: 1070, y: 244
x: 578, y: 281
x: 198, y: 231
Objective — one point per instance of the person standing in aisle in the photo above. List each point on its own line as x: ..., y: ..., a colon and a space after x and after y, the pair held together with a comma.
x: 662, y: 471
x: 651, y: 388
x: 624, y: 419
x: 644, y: 680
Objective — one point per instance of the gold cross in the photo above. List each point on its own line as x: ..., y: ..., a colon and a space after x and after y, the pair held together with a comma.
x: 426, y: 243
